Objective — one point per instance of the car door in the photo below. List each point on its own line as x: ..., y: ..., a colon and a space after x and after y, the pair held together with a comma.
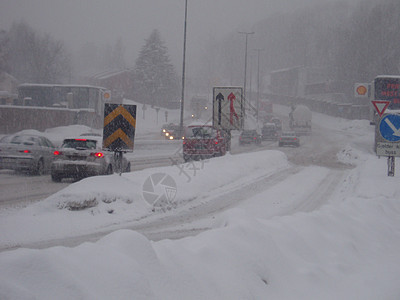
x: 46, y: 151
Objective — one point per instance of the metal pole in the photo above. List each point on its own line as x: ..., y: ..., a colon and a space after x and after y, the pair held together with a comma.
x: 183, y: 71
x: 258, y: 80
x: 245, y: 64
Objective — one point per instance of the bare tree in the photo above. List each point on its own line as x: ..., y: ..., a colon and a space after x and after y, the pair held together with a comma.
x: 37, y: 58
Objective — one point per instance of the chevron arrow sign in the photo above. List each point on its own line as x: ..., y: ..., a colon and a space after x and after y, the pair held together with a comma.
x: 119, y: 127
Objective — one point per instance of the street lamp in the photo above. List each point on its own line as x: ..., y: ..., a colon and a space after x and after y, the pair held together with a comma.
x: 258, y: 79
x: 183, y: 71
x: 245, y: 63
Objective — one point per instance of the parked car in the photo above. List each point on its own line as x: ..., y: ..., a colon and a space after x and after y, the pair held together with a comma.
x: 32, y: 153
x: 249, y: 137
x: 269, y: 132
x: 83, y: 157
x: 289, y: 138
x: 203, y: 141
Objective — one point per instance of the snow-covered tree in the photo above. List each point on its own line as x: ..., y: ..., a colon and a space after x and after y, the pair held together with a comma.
x: 155, y: 80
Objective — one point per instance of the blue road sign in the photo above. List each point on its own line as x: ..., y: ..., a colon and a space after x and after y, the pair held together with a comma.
x: 389, y: 128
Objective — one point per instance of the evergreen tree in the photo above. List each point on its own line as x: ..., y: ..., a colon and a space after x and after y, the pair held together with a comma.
x: 155, y: 80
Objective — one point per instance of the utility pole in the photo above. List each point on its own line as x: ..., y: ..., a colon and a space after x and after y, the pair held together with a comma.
x: 245, y: 64
x: 183, y: 72
x: 258, y: 80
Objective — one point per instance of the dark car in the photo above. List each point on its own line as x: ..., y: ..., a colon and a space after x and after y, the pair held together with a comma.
x: 32, y: 153
x: 203, y: 141
x: 83, y: 157
x: 249, y: 137
x: 289, y: 138
x: 269, y: 132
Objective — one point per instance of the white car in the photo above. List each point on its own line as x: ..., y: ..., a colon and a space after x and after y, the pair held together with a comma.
x: 32, y: 153
x: 83, y: 157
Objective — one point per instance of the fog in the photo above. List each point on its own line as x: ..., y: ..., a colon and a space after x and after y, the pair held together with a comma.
x: 102, y: 22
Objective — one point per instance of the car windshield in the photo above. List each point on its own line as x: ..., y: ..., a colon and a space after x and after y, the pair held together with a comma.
x: 79, y: 144
x: 289, y: 134
x: 23, y: 139
x: 249, y: 133
x: 201, y: 132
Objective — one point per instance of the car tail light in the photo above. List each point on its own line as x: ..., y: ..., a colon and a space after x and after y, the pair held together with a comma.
x: 97, y: 154
x: 216, y: 142
x: 25, y: 151
x: 57, y: 152
x: 254, y: 138
x: 81, y: 140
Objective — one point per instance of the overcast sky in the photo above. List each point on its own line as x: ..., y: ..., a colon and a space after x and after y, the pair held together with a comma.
x: 104, y: 21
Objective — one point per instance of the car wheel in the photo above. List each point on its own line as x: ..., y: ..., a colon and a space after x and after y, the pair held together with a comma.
x: 109, y: 170
x: 56, y: 178
x: 39, y: 168
x: 128, y: 168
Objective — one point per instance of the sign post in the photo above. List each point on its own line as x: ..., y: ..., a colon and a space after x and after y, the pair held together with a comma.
x: 119, y: 130
x: 228, y: 110
x: 387, y: 139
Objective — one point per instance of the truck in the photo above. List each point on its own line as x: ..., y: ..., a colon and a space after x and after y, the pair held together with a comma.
x: 300, y: 120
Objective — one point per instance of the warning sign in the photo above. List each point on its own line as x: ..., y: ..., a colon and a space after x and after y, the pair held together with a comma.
x: 119, y: 127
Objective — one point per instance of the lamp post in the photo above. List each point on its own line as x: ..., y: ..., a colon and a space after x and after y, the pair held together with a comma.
x: 258, y: 79
x: 183, y: 71
x: 245, y: 63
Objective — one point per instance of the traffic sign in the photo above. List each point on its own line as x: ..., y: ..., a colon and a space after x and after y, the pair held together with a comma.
x: 361, y: 90
x: 389, y: 128
x: 119, y: 127
x: 380, y: 106
x: 228, y: 108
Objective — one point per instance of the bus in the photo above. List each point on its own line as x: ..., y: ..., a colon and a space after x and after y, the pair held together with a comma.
x: 51, y: 105
x: 63, y: 96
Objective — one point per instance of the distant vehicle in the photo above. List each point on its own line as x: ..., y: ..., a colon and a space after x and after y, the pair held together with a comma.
x: 277, y: 122
x: 300, y: 120
x: 171, y: 131
x: 83, y: 157
x: 203, y: 141
x: 289, y: 138
x: 31, y: 153
x: 265, y: 111
x: 249, y: 137
x: 269, y: 132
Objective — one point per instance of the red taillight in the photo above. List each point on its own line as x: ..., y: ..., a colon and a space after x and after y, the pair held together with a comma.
x: 25, y: 151
x: 295, y: 138
x: 80, y: 139
x: 184, y: 142
x: 216, y: 142
x: 97, y: 154
x: 57, y: 152
x: 255, y: 138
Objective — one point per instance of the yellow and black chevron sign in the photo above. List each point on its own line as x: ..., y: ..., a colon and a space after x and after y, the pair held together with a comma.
x: 119, y: 127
